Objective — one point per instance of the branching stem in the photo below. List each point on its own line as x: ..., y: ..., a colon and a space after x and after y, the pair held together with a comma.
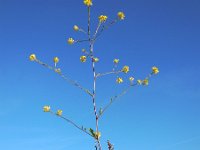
x: 72, y: 123
x: 107, y: 73
x: 105, y: 27
x: 114, y: 98
x: 70, y: 81
x: 91, y: 43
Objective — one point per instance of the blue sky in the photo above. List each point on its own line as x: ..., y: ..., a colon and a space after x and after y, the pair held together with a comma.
x: 162, y: 116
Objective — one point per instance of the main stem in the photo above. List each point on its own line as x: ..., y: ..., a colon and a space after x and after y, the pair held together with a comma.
x: 94, y: 89
x: 91, y: 43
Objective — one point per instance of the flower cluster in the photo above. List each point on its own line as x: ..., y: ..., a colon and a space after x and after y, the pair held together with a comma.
x: 59, y: 112
x: 102, y: 18
x: 155, y: 70
x: 131, y: 79
x: 46, y: 108
x: 76, y: 28
x: 83, y: 59
x: 57, y: 70
x: 145, y: 82
x: 88, y: 2
x: 97, y: 135
x: 56, y: 59
x: 139, y: 81
x: 32, y: 57
x: 70, y: 41
x: 119, y: 80
x: 95, y: 59
x: 125, y: 69
x: 121, y: 15
x: 116, y: 61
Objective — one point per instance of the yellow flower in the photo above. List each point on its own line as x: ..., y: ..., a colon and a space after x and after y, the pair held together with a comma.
x: 97, y: 135
x: 119, y: 80
x: 88, y: 2
x: 145, y: 82
x: 125, y: 69
x: 116, y: 61
x: 56, y: 59
x: 131, y: 79
x: 95, y: 59
x: 76, y: 28
x: 58, y: 70
x: 46, y: 108
x: 155, y: 70
x: 139, y: 82
x: 102, y: 18
x: 32, y: 57
x: 83, y: 58
x: 59, y: 112
x: 70, y: 41
x: 121, y: 15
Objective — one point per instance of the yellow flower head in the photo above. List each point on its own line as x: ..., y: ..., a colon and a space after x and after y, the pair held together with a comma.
x: 155, y: 70
x: 119, y: 80
x: 58, y: 70
x: 56, y: 59
x: 32, y: 57
x: 70, y: 41
x: 145, y: 82
x: 95, y: 59
x: 59, y: 112
x: 121, y: 15
x: 46, y: 108
x: 125, y: 69
x: 76, y: 28
x: 131, y: 79
x: 139, y: 82
x: 97, y: 135
x: 88, y: 2
x: 102, y: 18
x: 83, y: 58
x: 116, y: 61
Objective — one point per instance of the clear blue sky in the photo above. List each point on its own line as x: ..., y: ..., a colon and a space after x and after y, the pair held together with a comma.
x: 162, y: 116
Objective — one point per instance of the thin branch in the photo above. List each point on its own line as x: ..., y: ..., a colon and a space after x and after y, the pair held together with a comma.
x: 79, y: 41
x: 72, y: 82
x: 150, y: 75
x: 114, y: 98
x: 105, y: 27
x: 107, y: 73
x: 81, y: 30
x: 72, y: 123
x: 89, y: 22
x: 98, y: 26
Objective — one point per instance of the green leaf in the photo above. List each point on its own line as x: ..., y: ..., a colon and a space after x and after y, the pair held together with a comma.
x: 92, y: 132
x: 100, y: 111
